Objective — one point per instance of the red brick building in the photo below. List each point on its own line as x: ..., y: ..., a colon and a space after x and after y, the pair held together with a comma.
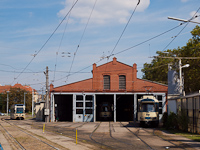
x: 113, y: 83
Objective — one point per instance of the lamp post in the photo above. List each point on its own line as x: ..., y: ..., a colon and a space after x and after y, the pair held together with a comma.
x: 7, y: 102
x: 180, y: 68
x: 180, y: 74
x: 25, y: 98
x: 183, y: 20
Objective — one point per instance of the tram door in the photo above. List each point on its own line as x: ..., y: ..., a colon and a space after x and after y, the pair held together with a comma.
x: 84, y: 108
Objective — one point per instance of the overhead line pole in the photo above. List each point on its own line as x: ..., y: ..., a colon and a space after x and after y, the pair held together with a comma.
x: 180, y: 68
x: 46, y: 113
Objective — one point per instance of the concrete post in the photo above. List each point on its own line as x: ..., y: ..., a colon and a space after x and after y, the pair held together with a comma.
x: 115, y: 108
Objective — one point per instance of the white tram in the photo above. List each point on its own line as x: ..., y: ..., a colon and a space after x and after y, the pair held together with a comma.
x: 17, y: 111
x: 148, y: 113
x: 106, y: 111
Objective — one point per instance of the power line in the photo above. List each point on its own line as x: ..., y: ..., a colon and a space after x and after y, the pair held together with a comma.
x: 124, y: 50
x: 61, y: 43
x: 81, y: 39
x: 125, y: 27
x: 45, y: 42
x: 194, y: 16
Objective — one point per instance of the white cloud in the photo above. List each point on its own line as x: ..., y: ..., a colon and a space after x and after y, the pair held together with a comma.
x: 105, y: 11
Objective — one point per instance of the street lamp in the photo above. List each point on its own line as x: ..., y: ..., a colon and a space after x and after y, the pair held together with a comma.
x: 180, y: 74
x: 24, y: 98
x: 183, y: 20
x: 7, y: 102
x: 180, y: 68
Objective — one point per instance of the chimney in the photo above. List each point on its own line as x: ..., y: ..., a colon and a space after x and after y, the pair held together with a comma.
x: 114, y: 61
x: 134, y: 72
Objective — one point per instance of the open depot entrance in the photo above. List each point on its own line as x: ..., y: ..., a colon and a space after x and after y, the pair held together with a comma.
x: 124, y: 107
x: 63, y: 107
x: 101, y: 101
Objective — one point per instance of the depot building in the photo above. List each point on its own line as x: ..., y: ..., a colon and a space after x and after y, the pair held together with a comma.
x: 114, y: 84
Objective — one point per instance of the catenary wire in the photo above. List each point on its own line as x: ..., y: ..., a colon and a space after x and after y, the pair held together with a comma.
x: 45, y: 42
x: 125, y: 27
x: 124, y: 50
x: 81, y: 39
x: 194, y: 16
x: 61, y: 43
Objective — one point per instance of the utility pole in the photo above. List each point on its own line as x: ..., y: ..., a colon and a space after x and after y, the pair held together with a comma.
x: 46, y: 111
x: 32, y: 103
x: 180, y: 69
x: 25, y: 99
x: 7, y: 102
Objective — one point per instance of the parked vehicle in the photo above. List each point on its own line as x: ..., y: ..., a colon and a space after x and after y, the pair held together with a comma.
x: 106, y: 111
x: 148, y: 113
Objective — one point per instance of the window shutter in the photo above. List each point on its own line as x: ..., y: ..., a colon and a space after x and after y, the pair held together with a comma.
x: 106, y: 80
x: 122, y: 82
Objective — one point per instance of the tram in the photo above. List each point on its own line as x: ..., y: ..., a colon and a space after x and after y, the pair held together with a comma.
x: 106, y: 111
x: 148, y: 113
x: 17, y: 112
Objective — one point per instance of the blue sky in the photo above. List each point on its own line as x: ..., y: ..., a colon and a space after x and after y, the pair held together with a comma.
x: 25, y: 26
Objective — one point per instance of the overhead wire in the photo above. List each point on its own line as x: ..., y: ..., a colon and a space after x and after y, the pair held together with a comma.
x: 81, y: 39
x: 194, y: 16
x: 125, y: 27
x: 45, y: 42
x: 125, y: 50
x: 60, y: 44
x: 123, y: 31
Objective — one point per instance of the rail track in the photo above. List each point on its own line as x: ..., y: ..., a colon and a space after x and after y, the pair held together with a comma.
x: 98, y: 135
x: 21, y: 139
x: 152, y: 133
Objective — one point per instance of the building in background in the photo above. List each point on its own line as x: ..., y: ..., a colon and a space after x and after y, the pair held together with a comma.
x: 114, y: 88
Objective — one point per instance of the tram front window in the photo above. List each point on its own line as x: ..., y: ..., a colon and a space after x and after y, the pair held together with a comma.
x: 148, y: 108
x: 19, y: 110
x: 105, y: 109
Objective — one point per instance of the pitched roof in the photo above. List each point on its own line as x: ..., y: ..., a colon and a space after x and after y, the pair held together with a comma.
x: 8, y: 87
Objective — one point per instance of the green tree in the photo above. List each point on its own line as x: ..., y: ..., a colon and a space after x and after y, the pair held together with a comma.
x: 16, y: 96
x: 157, y: 70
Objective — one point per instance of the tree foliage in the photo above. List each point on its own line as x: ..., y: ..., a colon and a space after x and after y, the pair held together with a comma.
x: 16, y: 96
x: 157, y: 70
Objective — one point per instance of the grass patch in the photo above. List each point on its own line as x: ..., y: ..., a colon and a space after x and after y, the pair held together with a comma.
x: 192, y: 136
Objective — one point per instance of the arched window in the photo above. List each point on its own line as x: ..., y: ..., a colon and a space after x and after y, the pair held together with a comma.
x: 122, y: 82
x: 106, y: 82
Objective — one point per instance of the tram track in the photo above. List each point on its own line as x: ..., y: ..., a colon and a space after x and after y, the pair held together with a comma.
x: 113, y: 130
x: 22, y: 139
x: 102, y: 135
x: 140, y: 132
x: 137, y: 135
x: 11, y: 139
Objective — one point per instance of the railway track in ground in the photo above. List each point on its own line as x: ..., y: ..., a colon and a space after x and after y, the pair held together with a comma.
x: 22, y: 139
x: 159, y: 141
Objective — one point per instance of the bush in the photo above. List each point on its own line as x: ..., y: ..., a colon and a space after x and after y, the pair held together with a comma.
x: 172, y: 121
x: 164, y: 119
x: 183, y: 121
